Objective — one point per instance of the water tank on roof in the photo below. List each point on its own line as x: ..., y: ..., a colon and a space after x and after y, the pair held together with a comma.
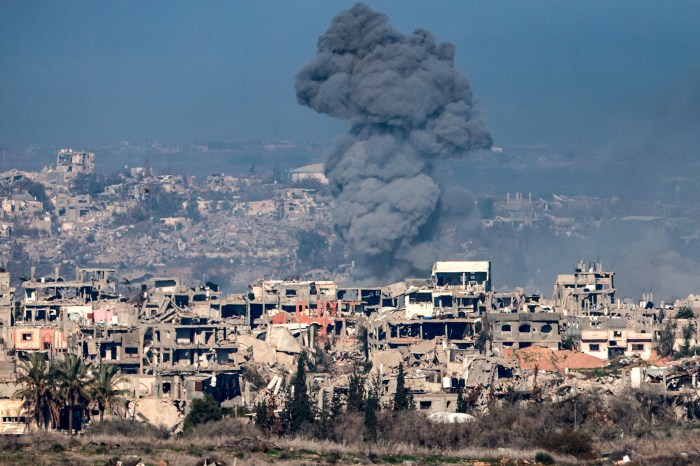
x: 446, y: 383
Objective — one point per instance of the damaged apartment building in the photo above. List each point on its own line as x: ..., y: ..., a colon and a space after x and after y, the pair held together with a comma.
x: 597, y: 323
x: 168, y: 341
x: 451, y: 331
x: 449, y: 305
x: 69, y: 164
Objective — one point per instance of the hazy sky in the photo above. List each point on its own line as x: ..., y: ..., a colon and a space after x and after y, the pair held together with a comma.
x: 547, y: 72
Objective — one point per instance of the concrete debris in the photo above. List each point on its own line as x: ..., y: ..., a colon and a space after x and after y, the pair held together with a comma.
x: 450, y: 418
x: 545, y: 359
x: 125, y: 461
x: 261, y: 351
x: 389, y: 359
x: 282, y: 340
x: 158, y: 412
x: 211, y: 461
x: 451, y: 333
x: 625, y: 459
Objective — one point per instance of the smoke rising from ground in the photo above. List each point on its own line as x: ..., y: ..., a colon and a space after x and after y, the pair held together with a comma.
x: 408, y: 107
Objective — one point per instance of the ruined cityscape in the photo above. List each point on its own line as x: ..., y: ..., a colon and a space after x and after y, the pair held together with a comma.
x: 355, y: 302
x: 454, y: 334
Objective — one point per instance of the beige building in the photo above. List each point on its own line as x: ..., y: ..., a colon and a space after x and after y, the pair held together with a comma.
x: 607, y: 343
x: 315, y: 171
x: 525, y: 329
x: 12, y: 417
x: 75, y: 162
x: 588, y: 291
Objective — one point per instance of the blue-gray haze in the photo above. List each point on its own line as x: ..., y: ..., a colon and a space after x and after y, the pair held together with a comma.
x: 614, y: 86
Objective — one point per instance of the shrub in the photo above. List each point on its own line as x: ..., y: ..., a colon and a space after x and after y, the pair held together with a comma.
x: 496, y: 438
x: 348, y: 428
x: 544, y: 458
x: 568, y: 442
x: 203, y: 410
x: 624, y: 413
x: 224, y: 428
x: 609, y: 434
x: 685, y: 313
x: 129, y: 428
x: 412, y: 427
x: 57, y: 448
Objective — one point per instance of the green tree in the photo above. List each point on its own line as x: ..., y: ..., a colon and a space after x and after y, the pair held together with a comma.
x: 336, y: 406
x: 363, y: 337
x: 481, y: 343
x: 356, y: 391
x: 203, y: 410
x: 667, y: 338
x: 300, y: 410
x: 38, y: 392
x: 688, y: 334
x: 262, y: 420
x: 371, y: 408
x: 685, y: 313
x: 323, y: 426
x: 402, y: 400
x: 266, y: 417
x: 73, y: 385
x: 104, y: 389
x: 461, y: 402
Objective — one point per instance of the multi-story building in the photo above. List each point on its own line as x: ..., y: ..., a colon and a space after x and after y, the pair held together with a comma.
x: 588, y: 291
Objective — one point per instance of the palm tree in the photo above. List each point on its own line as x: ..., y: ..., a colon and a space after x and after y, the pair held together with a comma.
x: 104, y: 389
x: 39, y: 391
x: 73, y: 382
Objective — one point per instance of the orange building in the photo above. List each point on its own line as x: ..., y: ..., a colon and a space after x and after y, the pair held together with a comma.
x: 39, y: 339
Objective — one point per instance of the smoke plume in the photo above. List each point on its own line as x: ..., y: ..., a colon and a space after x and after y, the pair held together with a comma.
x: 409, y: 107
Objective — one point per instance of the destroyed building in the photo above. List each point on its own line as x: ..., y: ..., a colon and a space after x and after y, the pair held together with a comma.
x: 588, y: 291
x: 524, y: 329
x: 7, y: 305
x: 315, y: 172
x: 75, y: 162
x: 69, y: 164
x: 452, y: 333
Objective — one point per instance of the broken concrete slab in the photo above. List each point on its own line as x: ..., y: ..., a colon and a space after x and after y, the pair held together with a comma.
x: 158, y: 412
x: 424, y: 347
x: 387, y: 359
x: 262, y: 352
x: 282, y: 340
x: 285, y: 359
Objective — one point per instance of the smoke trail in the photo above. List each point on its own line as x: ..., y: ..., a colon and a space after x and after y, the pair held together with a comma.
x: 408, y: 107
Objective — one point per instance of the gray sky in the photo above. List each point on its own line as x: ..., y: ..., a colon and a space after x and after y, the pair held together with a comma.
x: 570, y: 74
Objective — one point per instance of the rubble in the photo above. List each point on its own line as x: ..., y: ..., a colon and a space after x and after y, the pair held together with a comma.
x: 451, y: 334
x: 158, y: 412
x: 545, y: 359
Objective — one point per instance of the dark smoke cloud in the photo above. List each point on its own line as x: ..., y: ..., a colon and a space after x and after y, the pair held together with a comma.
x: 408, y: 107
